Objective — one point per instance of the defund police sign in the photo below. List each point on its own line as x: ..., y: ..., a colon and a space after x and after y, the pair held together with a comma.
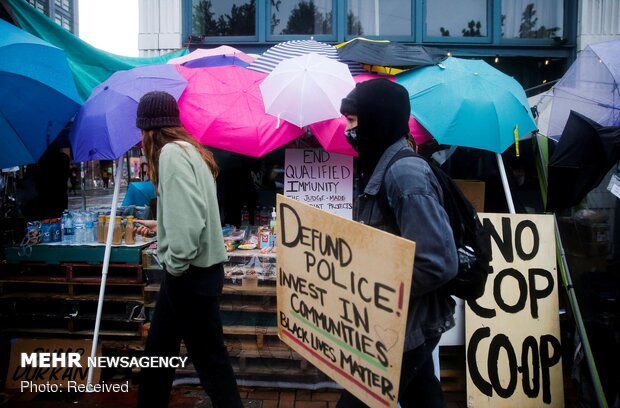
x: 343, y: 291
x: 513, y: 330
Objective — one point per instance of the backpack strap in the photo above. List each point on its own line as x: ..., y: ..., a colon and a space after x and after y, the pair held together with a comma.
x: 382, y: 199
x: 449, y: 189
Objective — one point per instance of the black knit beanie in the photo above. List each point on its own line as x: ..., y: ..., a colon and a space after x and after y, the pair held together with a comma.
x: 157, y: 109
x: 348, y: 105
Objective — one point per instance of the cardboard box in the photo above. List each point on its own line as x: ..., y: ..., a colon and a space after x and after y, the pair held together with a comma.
x: 474, y: 191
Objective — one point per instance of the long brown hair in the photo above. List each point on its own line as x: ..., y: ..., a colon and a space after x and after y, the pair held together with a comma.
x: 154, y: 140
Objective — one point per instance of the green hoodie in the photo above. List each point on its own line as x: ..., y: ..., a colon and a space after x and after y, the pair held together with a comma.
x: 188, y: 220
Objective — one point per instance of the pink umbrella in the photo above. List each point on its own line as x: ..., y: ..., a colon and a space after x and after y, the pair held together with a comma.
x: 209, y: 52
x: 330, y: 133
x: 223, y: 108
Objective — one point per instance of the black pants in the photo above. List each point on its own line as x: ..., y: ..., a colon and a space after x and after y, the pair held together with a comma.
x: 188, y: 308
x: 418, y: 385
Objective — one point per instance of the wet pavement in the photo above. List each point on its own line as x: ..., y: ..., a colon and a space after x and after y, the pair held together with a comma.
x: 95, y: 198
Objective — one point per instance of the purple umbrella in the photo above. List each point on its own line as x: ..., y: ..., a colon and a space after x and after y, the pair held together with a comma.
x: 215, y: 61
x: 105, y: 126
x: 591, y: 87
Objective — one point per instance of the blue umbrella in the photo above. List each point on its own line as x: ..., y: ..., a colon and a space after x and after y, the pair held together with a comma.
x: 139, y: 193
x: 105, y: 127
x: 468, y: 103
x: 37, y: 95
x: 215, y: 61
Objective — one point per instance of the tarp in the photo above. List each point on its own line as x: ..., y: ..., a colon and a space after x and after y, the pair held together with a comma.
x: 90, y: 65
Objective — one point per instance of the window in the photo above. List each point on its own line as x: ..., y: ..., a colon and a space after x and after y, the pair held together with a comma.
x: 63, y: 20
x: 42, y: 6
x: 464, y: 19
x: 301, y: 17
x: 533, y: 19
x: 375, y: 18
x: 219, y: 18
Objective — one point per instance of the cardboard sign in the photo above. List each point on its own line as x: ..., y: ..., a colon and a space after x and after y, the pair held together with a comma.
x: 343, y: 292
x: 55, y: 373
x: 514, y: 356
x: 319, y: 178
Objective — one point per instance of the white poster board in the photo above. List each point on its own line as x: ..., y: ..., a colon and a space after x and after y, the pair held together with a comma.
x: 321, y: 179
x: 514, y: 356
x: 343, y: 295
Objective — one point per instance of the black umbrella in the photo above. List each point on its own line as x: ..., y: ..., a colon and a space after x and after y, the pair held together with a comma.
x: 583, y: 156
x: 390, y: 54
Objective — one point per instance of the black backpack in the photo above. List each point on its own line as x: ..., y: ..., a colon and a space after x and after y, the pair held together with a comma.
x: 473, y: 244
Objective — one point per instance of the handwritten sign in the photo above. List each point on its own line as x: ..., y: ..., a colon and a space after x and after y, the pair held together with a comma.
x: 57, y: 375
x: 513, y: 330
x: 319, y: 178
x: 343, y: 291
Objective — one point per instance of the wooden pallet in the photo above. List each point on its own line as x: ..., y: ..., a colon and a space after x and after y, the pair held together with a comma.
x: 10, y: 288
x: 59, y: 299
x: 117, y: 273
x: 71, y: 272
x: 69, y: 329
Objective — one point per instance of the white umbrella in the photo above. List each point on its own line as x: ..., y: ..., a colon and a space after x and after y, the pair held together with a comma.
x: 306, y: 89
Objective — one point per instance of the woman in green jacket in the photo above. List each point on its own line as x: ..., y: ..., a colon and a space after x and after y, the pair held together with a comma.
x: 191, y: 248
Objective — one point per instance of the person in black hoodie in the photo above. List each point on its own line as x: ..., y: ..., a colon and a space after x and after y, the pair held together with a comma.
x: 403, y: 197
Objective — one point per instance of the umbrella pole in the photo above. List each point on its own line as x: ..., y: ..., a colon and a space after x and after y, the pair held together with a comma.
x: 502, y: 172
x: 104, y: 269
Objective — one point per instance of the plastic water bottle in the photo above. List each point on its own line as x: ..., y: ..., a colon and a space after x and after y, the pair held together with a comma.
x: 79, y: 227
x: 55, y: 230
x: 68, y: 231
x: 89, y: 228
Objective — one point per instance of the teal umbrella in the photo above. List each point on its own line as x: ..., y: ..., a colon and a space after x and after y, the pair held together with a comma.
x: 468, y: 103
x: 471, y: 104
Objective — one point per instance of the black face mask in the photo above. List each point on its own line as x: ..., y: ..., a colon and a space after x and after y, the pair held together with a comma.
x: 351, y: 136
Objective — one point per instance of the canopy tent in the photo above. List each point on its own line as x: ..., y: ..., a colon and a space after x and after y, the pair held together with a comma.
x: 90, y: 65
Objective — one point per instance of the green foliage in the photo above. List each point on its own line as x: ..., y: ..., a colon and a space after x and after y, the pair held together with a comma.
x: 473, y: 29
x: 354, y: 26
x: 528, y: 29
x: 306, y: 19
x: 203, y: 21
x: 444, y: 32
x: 240, y: 21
